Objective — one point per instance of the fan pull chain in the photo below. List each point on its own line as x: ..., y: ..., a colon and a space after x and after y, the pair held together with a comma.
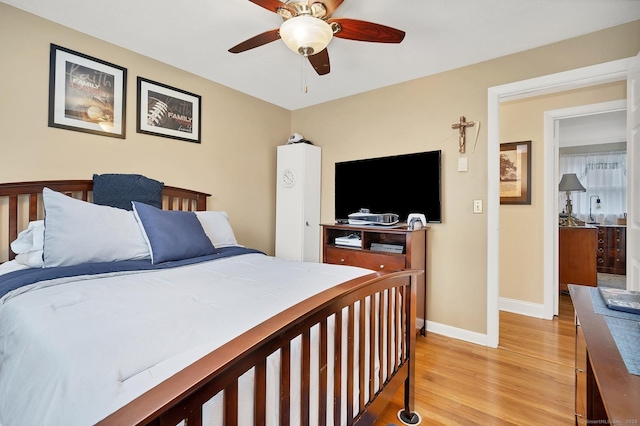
x: 303, y: 74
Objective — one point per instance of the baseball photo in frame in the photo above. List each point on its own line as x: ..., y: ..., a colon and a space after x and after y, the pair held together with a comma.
x: 86, y: 94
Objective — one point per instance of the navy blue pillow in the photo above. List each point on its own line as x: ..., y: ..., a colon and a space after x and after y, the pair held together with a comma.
x: 119, y: 190
x: 172, y: 234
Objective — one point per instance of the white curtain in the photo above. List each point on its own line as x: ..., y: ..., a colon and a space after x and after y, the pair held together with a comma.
x: 603, y: 174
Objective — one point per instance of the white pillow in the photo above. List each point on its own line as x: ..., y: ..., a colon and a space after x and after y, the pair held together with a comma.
x: 32, y: 259
x: 29, y: 245
x: 31, y: 239
x: 80, y: 232
x: 217, y: 227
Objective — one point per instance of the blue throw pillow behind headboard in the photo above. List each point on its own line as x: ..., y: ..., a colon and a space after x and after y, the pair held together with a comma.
x: 119, y: 190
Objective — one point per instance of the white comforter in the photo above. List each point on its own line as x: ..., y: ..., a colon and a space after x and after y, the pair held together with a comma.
x: 74, y: 351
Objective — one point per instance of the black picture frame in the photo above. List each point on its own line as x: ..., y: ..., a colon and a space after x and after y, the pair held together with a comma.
x: 86, y: 94
x: 515, y: 173
x: 169, y: 112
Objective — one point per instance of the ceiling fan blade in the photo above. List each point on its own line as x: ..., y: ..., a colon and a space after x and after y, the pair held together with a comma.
x: 320, y: 62
x: 256, y: 41
x: 329, y: 5
x: 354, y: 29
x: 272, y: 5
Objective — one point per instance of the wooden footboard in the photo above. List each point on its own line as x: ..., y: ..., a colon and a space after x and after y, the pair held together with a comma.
x: 373, y: 320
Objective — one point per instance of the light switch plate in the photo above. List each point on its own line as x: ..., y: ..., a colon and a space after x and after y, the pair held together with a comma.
x: 477, y: 206
x: 463, y: 164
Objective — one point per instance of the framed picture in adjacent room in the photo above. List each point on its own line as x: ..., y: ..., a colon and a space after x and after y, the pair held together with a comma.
x: 169, y: 112
x: 86, y: 94
x: 515, y: 173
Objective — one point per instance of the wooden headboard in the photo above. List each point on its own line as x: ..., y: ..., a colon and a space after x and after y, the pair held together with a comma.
x: 24, y: 204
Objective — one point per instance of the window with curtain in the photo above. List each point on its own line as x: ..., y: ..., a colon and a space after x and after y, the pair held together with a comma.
x: 604, y: 175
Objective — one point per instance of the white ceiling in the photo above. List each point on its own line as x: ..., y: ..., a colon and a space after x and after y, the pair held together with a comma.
x: 593, y: 129
x: 194, y: 35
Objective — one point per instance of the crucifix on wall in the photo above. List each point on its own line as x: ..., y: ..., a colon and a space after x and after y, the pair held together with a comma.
x: 462, y: 126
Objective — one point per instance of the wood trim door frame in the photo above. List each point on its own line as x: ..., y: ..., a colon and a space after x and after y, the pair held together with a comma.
x: 567, y: 80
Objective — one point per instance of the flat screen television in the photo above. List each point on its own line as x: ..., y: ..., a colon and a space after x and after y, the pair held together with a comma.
x: 400, y: 184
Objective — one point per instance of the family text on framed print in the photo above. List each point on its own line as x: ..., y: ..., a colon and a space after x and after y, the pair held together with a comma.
x: 515, y: 173
x: 86, y: 94
x: 167, y: 111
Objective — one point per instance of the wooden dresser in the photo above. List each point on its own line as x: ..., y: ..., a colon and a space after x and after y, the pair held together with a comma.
x: 577, y: 256
x: 606, y: 393
x: 612, y: 249
x: 411, y: 252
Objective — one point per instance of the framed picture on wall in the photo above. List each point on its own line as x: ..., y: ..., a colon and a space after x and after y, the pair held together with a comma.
x: 86, y: 94
x: 169, y: 112
x: 515, y: 173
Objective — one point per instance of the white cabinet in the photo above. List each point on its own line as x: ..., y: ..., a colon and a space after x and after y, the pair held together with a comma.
x: 298, y: 202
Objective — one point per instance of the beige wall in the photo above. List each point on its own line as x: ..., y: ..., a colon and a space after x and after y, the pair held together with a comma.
x: 521, y: 227
x: 235, y: 161
x: 417, y: 116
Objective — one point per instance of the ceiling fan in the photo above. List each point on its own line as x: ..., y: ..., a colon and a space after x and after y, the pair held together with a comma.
x: 308, y: 28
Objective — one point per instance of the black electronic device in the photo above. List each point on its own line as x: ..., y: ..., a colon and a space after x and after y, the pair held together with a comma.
x: 400, y: 184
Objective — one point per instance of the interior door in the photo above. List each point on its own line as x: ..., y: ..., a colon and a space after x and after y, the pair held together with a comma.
x: 633, y: 175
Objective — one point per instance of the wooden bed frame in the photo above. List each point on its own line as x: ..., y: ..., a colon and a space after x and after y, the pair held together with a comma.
x: 181, y: 397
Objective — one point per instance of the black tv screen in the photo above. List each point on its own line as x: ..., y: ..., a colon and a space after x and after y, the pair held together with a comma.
x: 399, y: 184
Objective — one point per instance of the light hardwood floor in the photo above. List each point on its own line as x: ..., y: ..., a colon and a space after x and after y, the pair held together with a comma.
x: 527, y: 380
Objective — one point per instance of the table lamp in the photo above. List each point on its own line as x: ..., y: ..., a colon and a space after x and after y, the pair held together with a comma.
x: 569, y: 183
x: 592, y: 219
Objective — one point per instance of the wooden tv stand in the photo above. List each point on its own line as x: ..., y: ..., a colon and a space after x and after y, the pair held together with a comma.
x: 413, y: 254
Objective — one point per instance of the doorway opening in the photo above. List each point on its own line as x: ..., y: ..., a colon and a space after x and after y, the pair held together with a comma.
x: 570, y: 131
x: 583, y: 77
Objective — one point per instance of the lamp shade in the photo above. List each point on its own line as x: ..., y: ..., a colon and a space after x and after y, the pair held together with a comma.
x: 570, y: 182
x: 305, y: 34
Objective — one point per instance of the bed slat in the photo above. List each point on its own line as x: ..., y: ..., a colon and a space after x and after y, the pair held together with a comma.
x: 13, y: 222
x: 337, y: 367
x: 403, y: 327
x: 322, y: 373
x: 362, y: 313
x: 381, y: 336
x: 285, y: 385
x: 260, y: 388
x: 33, y: 207
x: 389, y: 327
x: 305, y: 383
x: 372, y: 345
x: 350, y: 360
x: 231, y: 404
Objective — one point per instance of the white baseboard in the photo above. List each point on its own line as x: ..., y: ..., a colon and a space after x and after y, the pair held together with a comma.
x: 529, y: 309
x: 454, y: 332
x: 535, y: 310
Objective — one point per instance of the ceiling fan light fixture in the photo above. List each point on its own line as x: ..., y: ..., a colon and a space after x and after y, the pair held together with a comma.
x: 305, y: 34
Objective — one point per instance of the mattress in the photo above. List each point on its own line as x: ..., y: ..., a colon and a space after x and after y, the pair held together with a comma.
x: 73, y: 350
